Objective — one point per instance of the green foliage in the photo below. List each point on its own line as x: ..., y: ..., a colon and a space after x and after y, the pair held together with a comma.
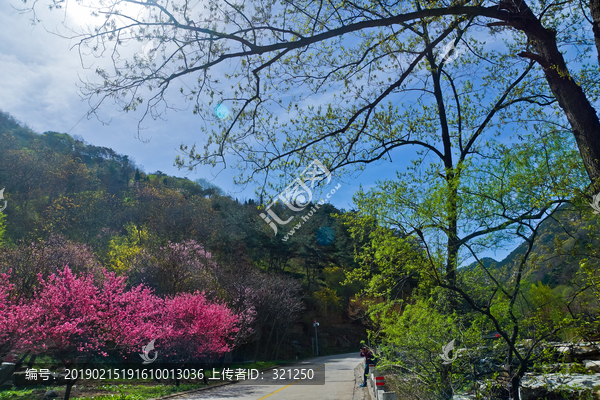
x: 414, y: 340
x: 140, y: 392
x: 329, y: 303
x: 117, y: 392
x: 120, y: 396
x: 387, y: 262
x: 423, y: 234
x: 335, y: 278
x: 123, y: 250
x: 570, y: 235
x: 2, y: 228
x: 10, y: 394
x: 547, y: 303
x: 587, y: 304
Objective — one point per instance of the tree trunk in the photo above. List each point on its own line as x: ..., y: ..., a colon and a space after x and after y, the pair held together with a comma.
x: 595, y: 13
x: 446, y: 382
x: 31, y: 361
x: 257, y: 345
x: 280, y: 342
x: 450, y: 176
x: 452, y: 244
x: 579, y: 112
x: 68, y: 390
x: 516, y: 384
x: 269, y: 340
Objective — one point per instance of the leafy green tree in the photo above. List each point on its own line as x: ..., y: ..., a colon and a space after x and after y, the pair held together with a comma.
x: 494, y: 201
x: 83, y: 214
x: 583, y: 299
x: 418, y: 336
x: 210, y: 189
x: 563, y: 280
x: 489, y: 184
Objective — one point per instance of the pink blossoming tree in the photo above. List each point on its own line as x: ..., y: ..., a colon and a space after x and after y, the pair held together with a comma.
x: 14, y: 319
x: 74, y: 319
x: 130, y: 317
x: 196, y: 329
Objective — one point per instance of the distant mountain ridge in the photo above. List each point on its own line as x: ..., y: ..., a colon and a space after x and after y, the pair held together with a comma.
x: 556, y: 254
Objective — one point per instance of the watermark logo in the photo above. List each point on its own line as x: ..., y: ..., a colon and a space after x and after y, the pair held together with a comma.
x: 2, y: 198
x: 446, y: 353
x: 450, y: 52
x: 298, y: 195
x: 596, y: 203
x: 147, y: 349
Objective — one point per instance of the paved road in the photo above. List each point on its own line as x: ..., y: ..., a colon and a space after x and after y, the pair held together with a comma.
x: 340, y: 384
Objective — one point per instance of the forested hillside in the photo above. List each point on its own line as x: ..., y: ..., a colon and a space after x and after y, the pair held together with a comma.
x: 73, y: 203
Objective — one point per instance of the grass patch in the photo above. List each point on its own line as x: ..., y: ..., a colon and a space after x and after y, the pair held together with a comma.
x: 121, y: 396
x: 102, y: 392
x: 139, y: 392
x: 6, y: 394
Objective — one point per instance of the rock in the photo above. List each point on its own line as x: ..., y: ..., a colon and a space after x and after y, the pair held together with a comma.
x: 592, y: 365
x: 59, y: 378
x: 50, y: 394
x: 540, y: 386
x: 6, y: 371
x: 565, y: 353
x: 586, y: 351
x: 578, y: 351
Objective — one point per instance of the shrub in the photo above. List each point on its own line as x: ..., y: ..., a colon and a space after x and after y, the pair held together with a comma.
x: 27, y: 261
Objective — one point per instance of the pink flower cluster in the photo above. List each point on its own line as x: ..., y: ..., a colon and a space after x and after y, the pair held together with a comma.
x: 72, y: 316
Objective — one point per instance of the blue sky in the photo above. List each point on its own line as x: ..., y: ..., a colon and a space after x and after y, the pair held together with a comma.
x: 41, y: 77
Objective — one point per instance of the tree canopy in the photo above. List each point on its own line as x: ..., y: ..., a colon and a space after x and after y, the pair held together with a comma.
x: 280, y: 82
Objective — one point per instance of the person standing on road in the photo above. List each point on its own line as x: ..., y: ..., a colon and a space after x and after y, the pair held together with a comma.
x: 368, y: 355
